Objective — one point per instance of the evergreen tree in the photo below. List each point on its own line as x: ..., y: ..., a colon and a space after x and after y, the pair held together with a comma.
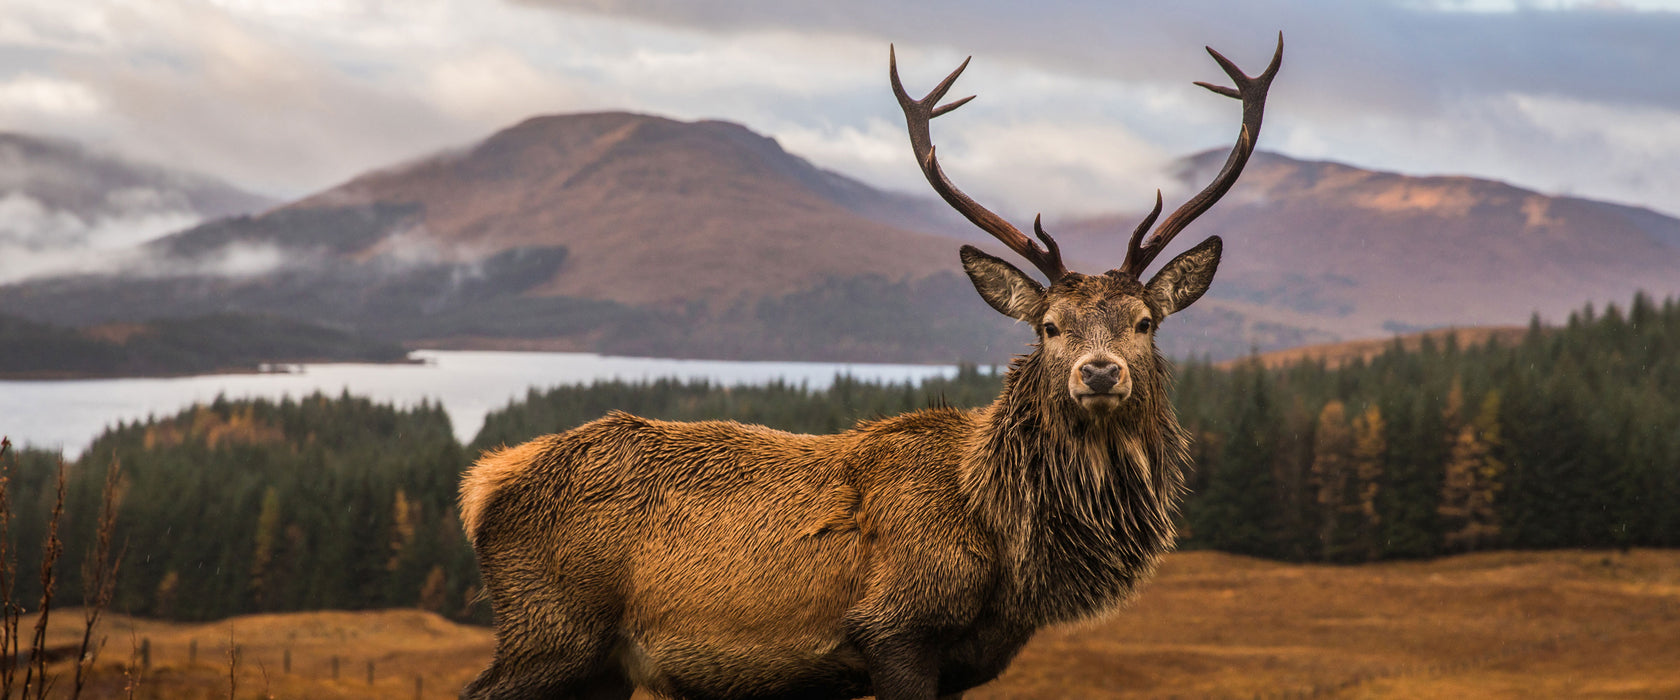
x: 1239, y: 512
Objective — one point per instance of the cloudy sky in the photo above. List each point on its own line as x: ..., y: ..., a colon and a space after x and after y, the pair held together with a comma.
x: 1081, y: 102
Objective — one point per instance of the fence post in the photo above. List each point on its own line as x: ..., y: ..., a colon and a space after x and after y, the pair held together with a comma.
x: 286, y: 662
x: 146, y: 653
x: 335, y: 666
x: 419, y: 687
x: 370, y: 672
x: 192, y: 651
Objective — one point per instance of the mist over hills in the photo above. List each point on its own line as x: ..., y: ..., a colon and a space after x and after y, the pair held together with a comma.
x: 634, y: 234
x: 61, y: 204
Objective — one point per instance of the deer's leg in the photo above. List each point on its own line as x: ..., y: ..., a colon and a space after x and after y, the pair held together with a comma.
x: 537, y: 666
x: 924, y: 590
x: 552, y: 642
x: 902, y: 669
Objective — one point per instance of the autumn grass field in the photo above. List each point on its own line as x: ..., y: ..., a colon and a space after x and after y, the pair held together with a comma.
x: 1561, y: 624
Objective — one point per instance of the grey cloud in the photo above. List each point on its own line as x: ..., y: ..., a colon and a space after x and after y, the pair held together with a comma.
x: 1088, y: 97
x: 1349, y: 55
x: 1574, y: 101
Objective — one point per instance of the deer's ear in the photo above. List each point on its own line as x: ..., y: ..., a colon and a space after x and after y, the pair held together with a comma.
x: 1181, y: 282
x: 1006, y: 288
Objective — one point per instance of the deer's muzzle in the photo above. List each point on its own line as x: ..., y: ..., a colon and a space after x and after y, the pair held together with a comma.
x: 1100, y: 382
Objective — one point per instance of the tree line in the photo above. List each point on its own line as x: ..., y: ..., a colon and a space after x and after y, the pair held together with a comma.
x: 1569, y: 437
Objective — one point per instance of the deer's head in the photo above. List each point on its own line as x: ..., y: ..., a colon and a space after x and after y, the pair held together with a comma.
x: 1097, y: 330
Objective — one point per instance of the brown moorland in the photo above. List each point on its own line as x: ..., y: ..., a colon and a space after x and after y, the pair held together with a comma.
x: 1561, y: 624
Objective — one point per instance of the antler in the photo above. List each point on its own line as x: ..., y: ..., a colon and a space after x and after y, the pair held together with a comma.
x: 1252, y: 92
x: 917, y: 114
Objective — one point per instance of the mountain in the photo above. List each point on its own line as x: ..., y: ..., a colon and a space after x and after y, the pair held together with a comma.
x: 650, y: 210
x: 1333, y: 252
x: 612, y: 232
x: 61, y: 202
x: 633, y: 234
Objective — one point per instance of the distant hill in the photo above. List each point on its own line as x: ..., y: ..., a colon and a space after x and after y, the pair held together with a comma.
x: 1335, y: 252
x: 59, y: 202
x: 220, y: 343
x: 634, y: 234
x: 652, y: 211
x: 614, y: 232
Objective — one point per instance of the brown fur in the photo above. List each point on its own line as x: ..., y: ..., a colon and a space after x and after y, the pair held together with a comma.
x: 906, y: 556
x: 909, y: 558
x: 493, y: 469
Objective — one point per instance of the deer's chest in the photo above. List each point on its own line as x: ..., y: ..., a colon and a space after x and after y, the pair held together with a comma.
x: 1100, y: 529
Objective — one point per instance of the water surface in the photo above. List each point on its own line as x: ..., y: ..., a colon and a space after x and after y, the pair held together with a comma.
x: 68, y: 414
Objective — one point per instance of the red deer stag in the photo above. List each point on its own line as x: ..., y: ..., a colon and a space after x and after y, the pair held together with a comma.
x: 909, y: 557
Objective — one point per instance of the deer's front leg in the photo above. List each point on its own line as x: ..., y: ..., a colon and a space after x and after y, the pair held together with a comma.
x: 903, y: 669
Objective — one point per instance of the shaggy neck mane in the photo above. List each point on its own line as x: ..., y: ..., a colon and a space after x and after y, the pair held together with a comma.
x: 1082, y: 504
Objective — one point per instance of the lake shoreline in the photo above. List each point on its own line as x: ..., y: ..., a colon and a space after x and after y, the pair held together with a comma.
x: 534, y: 349
x: 264, y: 368
x: 67, y: 413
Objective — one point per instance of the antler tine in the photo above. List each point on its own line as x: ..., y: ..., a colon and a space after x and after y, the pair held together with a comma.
x: 1252, y: 92
x: 1143, y: 228
x: 917, y: 114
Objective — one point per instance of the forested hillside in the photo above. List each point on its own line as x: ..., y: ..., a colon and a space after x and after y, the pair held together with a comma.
x: 251, y: 506
x: 1569, y: 437
x: 172, y: 346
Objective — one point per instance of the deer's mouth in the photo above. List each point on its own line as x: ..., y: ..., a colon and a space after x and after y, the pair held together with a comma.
x: 1103, y: 400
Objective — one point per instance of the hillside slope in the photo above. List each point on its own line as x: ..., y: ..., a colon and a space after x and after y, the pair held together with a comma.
x: 1350, y: 253
x: 653, y: 211
x: 612, y: 232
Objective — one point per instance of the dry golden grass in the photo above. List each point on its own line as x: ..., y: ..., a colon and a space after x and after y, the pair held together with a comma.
x: 402, y: 645
x: 1499, y: 625
x: 1508, y: 624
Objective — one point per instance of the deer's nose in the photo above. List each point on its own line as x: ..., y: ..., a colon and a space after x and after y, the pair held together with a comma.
x: 1100, y: 376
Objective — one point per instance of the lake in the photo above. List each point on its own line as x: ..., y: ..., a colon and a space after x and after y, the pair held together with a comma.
x: 68, y: 414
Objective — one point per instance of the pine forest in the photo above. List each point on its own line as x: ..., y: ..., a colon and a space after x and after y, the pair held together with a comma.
x: 1568, y: 438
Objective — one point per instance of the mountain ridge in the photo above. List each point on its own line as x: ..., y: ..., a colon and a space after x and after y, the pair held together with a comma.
x: 1352, y: 253
x: 689, y: 204
x: 636, y: 234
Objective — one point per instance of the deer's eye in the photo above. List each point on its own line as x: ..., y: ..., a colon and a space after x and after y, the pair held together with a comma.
x: 1050, y: 330
x: 1144, y: 325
